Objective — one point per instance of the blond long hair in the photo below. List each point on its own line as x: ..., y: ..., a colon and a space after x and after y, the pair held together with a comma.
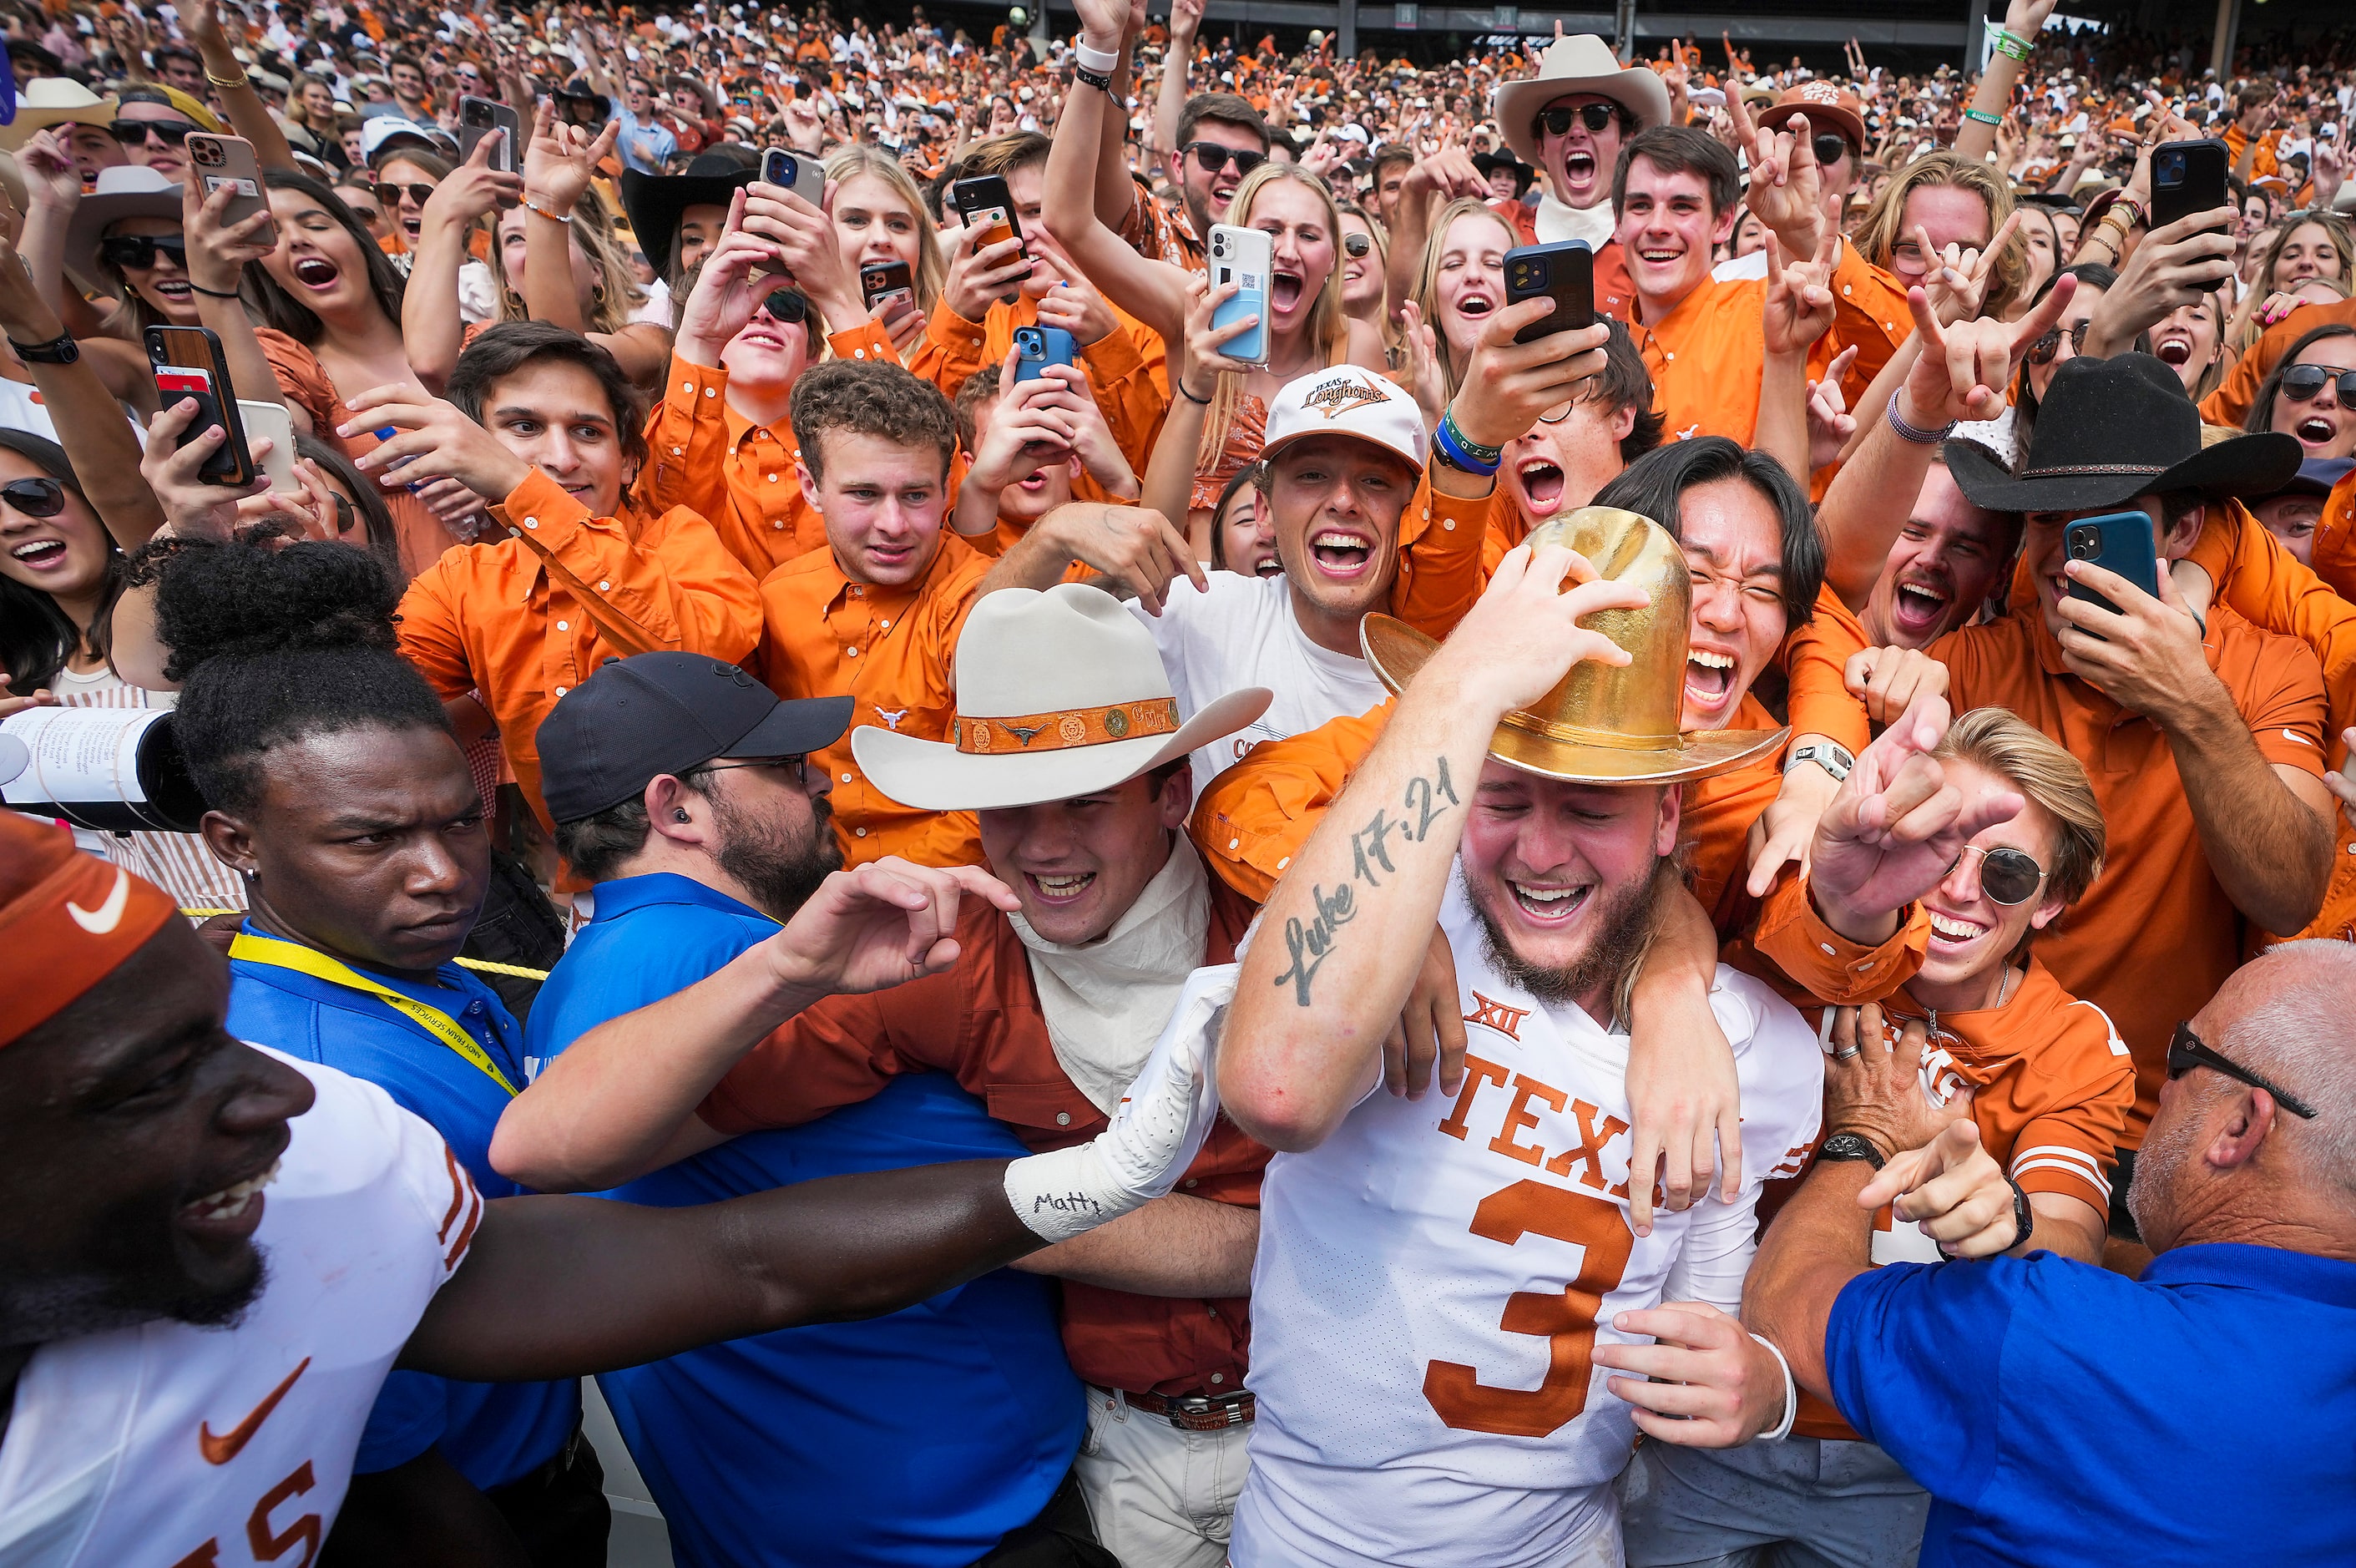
x: 1427, y: 281
x: 1877, y: 236
x: 616, y: 295
x: 931, y: 272
x: 1328, y: 326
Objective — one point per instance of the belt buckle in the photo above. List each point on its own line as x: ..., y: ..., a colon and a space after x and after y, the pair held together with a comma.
x: 1225, y: 1409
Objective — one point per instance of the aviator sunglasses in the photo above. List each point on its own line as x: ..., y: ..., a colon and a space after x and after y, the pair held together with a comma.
x: 34, y: 498
x: 2008, y: 877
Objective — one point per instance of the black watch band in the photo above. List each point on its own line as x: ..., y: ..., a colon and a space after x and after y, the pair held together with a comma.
x: 1851, y: 1146
x: 61, y: 350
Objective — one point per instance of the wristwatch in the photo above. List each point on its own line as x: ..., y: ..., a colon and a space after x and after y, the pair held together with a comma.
x: 61, y: 350
x: 1830, y: 754
x: 1851, y: 1147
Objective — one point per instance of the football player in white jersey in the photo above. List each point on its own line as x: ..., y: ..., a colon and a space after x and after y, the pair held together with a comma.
x: 1443, y: 1287
x: 185, y: 1363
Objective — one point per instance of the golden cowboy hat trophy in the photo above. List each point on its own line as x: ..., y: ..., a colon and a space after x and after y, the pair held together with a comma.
x: 1603, y: 724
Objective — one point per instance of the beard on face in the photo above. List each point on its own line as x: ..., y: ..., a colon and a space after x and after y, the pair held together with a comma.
x: 1616, y: 940
x: 2165, y: 1149
x: 129, y: 1285
x: 781, y: 868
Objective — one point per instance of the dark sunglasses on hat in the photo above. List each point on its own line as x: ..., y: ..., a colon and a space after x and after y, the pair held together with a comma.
x: 2301, y: 382
x: 2188, y: 1050
x: 131, y: 133
x: 34, y: 498
x: 1557, y: 121
x: 137, y: 252
x: 388, y: 192
x: 2008, y: 877
x: 1213, y: 158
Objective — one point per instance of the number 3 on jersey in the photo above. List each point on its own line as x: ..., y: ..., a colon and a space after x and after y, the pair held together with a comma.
x: 1566, y: 1320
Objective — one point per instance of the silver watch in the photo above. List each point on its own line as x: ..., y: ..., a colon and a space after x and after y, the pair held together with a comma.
x: 1829, y: 755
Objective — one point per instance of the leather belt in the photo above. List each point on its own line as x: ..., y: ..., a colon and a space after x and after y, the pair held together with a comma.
x: 1195, y: 1413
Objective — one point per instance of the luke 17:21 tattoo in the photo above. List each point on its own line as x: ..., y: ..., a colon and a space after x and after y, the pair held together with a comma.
x: 1423, y: 802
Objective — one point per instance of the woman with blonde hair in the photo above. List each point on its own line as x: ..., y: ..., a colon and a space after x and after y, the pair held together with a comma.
x: 880, y: 216
x: 1460, y: 284
x: 2311, y: 244
x: 1947, y: 200
x: 1365, y: 263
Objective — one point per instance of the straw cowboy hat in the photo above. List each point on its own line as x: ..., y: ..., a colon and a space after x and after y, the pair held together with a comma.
x: 1603, y: 724
x: 126, y: 190
x: 49, y: 101
x: 1058, y: 694
x: 1580, y: 63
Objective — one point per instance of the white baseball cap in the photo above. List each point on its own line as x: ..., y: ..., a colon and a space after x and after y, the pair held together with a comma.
x: 1348, y: 400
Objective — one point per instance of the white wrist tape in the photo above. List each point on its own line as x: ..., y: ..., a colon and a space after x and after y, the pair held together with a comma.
x: 1791, y: 1394
x: 1102, y: 61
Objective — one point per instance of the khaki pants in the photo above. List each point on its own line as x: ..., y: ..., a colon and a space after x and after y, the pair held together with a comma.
x: 1160, y: 1498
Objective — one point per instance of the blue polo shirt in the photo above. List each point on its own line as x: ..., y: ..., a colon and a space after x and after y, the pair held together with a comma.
x: 2062, y: 1413
x: 492, y: 1432
x: 916, y: 1439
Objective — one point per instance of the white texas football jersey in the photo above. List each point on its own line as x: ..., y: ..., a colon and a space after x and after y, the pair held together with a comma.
x: 168, y: 1447
x: 1431, y: 1280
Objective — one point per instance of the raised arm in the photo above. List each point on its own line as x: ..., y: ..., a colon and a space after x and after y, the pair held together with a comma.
x: 246, y: 115
x: 431, y: 330
x: 1176, y: 84
x: 557, y: 166
x: 1325, y: 979
x: 1797, y: 311
x: 2023, y: 19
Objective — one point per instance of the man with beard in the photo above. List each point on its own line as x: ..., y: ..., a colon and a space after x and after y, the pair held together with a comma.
x: 1525, y: 797
x: 682, y: 790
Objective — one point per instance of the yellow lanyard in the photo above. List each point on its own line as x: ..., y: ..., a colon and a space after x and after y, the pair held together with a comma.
x: 319, y: 966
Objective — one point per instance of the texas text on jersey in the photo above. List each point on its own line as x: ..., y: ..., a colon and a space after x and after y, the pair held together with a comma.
x: 191, y: 1447
x: 1431, y: 1280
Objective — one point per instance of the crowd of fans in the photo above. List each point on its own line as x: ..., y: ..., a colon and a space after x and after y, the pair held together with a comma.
x: 995, y: 859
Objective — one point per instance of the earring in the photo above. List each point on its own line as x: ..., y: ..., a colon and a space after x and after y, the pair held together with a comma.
x: 679, y: 815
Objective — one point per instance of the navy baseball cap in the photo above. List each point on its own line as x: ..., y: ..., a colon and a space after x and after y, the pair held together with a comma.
x: 639, y: 718
x: 2316, y: 476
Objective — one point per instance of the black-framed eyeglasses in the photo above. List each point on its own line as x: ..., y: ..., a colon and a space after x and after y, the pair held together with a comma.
x: 388, y: 192
x: 132, y: 132
x: 2049, y: 343
x: 137, y: 252
x: 2301, y: 382
x: 2187, y: 1050
x: 1357, y: 244
x: 800, y: 766
x: 786, y: 308
x: 1213, y: 159
x: 1557, y: 121
x: 1830, y: 147
x: 34, y: 498
x: 2008, y: 877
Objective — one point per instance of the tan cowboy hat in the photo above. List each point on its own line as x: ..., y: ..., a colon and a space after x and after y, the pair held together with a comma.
x: 1580, y: 63
x: 1603, y: 724
x: 1058, y: 694
x: 49, y: 101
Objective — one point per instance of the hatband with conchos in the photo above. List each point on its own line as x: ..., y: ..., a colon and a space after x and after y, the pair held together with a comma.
x: 1066, y: 728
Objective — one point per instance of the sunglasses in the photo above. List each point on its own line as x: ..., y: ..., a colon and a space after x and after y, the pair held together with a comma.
x: 346, y: 519
x: 133, y: 132
x: 786, y: 308
x: 799, y: 766
x: 137, y: 252
x: 2188, y: 1050
x: 1357, y: 244
x: 2042, y: 352
x: 1830, y: 147
x: 34, y: 498
x: 389, y: 194
x: 1557, y: 121
x: 2301, y: 382
x: 2008, y: 877
x: 1213, y: 158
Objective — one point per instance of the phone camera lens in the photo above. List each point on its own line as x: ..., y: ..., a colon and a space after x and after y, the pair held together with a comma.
x: 2170, y: 168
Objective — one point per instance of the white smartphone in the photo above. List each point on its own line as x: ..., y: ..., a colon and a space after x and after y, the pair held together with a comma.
x: 270, y: 419
x: 1242, y: 257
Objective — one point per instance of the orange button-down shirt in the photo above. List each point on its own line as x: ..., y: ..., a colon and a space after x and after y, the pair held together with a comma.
x: 2155, y: 936
x: 1128, y: 371
x: 493, y: 619
x: 892, y: 649
x: 706, y: 456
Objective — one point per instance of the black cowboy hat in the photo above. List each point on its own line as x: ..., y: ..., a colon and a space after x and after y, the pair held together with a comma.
x: 2111, y: 430
x: 655, y: 202
x: 601, y: 105
x: 1490, y: 163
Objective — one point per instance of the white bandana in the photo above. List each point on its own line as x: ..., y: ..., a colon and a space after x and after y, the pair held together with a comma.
x: 1106, y: 1003
x: 1556, y: 223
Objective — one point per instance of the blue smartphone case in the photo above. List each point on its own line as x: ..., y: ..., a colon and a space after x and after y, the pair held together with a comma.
x: 2118, y: 542
x: 1036, y: 348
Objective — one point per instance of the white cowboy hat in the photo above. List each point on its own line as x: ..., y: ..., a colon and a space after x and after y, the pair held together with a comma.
x: 1579, y: 63
x: 126, y: 190
x: 49, y: 101
x: 1058, y: 694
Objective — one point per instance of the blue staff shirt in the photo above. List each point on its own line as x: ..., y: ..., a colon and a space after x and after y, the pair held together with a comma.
x: 2062, y: 1413
x: 914, y: 1439
x: 491, y: 1433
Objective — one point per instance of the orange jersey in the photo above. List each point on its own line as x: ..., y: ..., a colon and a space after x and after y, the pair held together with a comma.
x: 2153, y: 939
x: 825, y: 636
x: 499, y: 620
x: 704, y: 454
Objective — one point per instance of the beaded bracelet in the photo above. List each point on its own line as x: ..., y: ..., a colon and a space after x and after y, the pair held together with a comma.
x: 538, y: 210
x: 1915, y: 433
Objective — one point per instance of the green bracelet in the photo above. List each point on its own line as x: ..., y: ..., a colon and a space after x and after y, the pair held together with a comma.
x: 2011, y: 45
x: 1982, y: 116
x: 1472, y: 448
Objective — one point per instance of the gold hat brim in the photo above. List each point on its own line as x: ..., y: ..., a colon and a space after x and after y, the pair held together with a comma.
x: 1396, y: 651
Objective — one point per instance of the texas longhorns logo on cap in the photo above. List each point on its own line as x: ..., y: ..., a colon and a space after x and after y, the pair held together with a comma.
x: 1820, y: 92
x: 1336, y: 398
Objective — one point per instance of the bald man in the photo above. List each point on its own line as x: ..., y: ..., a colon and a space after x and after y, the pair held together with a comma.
x: 2058, y: 1412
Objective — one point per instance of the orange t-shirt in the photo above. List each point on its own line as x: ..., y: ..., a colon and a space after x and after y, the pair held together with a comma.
x: 892, y: 649
x: 2052, y: 1084
x: 492, y: 618
x: 2155, y: 936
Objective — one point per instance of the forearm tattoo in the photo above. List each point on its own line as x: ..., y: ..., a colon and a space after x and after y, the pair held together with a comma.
x: 1423, y: 802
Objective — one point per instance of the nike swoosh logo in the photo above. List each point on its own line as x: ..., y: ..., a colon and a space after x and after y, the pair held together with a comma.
x: 107, y: 915
x: 223, y: 1449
